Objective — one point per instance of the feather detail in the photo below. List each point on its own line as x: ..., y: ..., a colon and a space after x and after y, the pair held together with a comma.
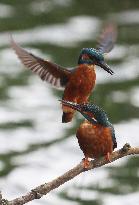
x: 54, y: 74
x: 107, y: 38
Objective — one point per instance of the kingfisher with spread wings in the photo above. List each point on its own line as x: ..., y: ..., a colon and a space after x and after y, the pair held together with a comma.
x: 77, y: 82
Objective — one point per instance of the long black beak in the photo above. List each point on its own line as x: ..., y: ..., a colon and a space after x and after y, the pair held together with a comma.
x: 72, y: 105
x: 104, y: 65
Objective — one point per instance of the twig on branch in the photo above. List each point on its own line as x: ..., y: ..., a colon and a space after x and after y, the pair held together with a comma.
x: 43, y: 189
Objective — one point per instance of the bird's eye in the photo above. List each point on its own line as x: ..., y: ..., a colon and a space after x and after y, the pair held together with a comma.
x: 93, y: 57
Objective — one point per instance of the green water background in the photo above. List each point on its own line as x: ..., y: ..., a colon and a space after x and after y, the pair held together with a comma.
x: 125, y: 176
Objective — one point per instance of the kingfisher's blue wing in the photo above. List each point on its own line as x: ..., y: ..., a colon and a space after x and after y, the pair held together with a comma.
x: 107, y: 39
x: 54, y: 74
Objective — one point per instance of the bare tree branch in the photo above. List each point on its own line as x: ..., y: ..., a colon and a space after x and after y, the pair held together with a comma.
x: 43, y: 189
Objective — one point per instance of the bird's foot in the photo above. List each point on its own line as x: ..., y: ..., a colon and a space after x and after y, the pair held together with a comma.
x: 125, y: 148
x: 107, y: 157
x: 86, y: 163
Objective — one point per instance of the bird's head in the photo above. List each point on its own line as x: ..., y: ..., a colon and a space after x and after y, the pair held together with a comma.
x: 91, y: 112
x: 93, y: 56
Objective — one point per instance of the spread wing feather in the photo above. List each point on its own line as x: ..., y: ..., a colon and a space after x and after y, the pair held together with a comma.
x: 54, y: 74
x: 107, y: 38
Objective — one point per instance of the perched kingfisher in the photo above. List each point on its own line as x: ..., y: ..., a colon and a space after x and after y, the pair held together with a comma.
x: 96, y: 135
x: 79, y: 81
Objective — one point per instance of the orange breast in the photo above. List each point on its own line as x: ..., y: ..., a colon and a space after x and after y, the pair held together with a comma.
x: 80, y: 85
x: 94, y: 141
